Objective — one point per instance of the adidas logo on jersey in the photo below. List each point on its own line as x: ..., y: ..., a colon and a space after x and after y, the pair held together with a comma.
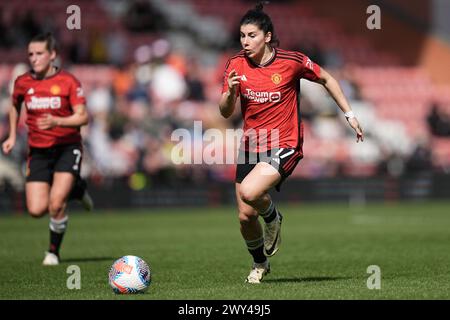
x: 30, y: 91
x: 243, y: 77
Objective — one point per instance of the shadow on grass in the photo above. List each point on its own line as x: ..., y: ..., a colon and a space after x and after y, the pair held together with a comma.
x: 306, y: 279
x: 91, y: 259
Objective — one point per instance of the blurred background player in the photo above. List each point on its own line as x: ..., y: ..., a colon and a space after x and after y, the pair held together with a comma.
x: 267, y: 80
x: 56, y: 110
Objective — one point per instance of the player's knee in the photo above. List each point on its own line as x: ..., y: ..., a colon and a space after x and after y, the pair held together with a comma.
x: 37, y: 211
x: 248, y: 194
x: 56, y: 206
x: 247, y: 217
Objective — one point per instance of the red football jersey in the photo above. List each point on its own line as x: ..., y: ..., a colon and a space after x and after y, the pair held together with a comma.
x: 269, y: 97
x: 55, y: 95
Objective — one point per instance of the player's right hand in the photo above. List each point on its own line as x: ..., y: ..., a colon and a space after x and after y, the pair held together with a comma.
x: 357, y: 127
x: 8, y: 145
x: 233, y: 80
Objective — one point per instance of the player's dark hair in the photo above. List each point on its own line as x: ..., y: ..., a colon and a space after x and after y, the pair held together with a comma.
x: 48, y: 38
x: 261, y: 19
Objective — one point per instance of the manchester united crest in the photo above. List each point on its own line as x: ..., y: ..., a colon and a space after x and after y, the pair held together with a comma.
x: 276, y: 78
x: 55, y: 90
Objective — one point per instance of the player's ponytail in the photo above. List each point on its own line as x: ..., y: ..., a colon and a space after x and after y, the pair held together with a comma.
x: 48, y: 38
x: 261, y: 19
x: 260, y: 5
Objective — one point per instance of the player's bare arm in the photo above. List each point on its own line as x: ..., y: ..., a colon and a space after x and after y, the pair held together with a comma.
x: 228, y: 101
x: 334, y: 89
x: 77, y: 119
x: 9, y: 143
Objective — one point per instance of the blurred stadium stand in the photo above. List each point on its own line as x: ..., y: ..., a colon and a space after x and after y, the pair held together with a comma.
x: 151, y: 66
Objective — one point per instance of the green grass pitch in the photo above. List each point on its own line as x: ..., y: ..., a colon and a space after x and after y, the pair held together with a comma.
x: 199, y: 253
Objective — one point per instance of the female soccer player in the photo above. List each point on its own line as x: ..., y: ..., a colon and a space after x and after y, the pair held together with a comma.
x: 267, y: 79
x: 56, y: 110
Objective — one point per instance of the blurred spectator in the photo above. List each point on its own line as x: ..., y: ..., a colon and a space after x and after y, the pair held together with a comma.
x: 349, y: 86
x: 194, y: 83
x: 122, y: 80
x: 78, y: 51
x: 98, y: 52
x: 391, y: 164
x: 168, y: 84
x: 10, y: 174
x: 439, y: 121
x: 310, y: 48
x: 116, y: 46
x: 5, y: 40
x: 420, y: 159
x: 29, y: 25
x: 99, y: 100
x: 143, y: 16
x: 333, y: 58
x: 319, y: 98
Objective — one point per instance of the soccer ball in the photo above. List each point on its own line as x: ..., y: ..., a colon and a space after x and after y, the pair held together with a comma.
x: 129, y: 274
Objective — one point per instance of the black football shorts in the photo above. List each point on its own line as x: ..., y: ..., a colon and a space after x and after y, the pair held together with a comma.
x: 284, y: 160
x: 42, y: 163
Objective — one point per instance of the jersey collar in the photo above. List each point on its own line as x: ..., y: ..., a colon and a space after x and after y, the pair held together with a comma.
x: 267, y: 63
x: 33, y: 74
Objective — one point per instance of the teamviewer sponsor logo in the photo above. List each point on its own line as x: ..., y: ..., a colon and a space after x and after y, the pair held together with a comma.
x: 262, y: 96
x: 44, y: 103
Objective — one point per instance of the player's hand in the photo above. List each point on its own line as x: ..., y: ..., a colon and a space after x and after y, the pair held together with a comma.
x: 355, y: 125
x: 233, y: 81
x: 8, y: 145
x: 47, y: 122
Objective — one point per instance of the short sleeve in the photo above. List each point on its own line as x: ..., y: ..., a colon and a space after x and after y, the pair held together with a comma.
x: 18, y: 93
x: 228, y: 69
x: 76, y: 95
x: 309, y: 70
